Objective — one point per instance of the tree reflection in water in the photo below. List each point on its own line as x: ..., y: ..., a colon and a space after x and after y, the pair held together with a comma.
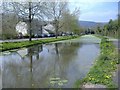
x: 16, y: 66
x: 58, y: 80
x: 56, y: 65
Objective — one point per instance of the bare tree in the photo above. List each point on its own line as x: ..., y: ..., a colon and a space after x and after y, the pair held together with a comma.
x: 70, y: 20
x: 55, y: 10
x: 9, y: 26
x: 29, y: 11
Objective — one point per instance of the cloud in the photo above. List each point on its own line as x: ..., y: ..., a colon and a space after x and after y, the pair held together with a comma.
x: 84, y: 6
x: 97, y: 11
x: 93, y: 1
x: 99, y: 16
x: 85, y: 1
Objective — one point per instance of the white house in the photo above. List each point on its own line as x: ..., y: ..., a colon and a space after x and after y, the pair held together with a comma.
x: 49, y: 27
x: 21, y: 27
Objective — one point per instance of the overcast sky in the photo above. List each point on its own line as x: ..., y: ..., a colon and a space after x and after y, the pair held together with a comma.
x: 96, y: 10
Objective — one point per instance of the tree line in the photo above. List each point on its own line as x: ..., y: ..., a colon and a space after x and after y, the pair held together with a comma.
x: 56, y: 12
x: 112, y: 29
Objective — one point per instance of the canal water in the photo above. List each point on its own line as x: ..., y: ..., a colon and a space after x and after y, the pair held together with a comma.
x: 53, y: 65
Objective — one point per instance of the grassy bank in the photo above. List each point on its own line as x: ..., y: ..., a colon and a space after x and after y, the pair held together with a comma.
x: 104, y: 66
x: 15, y: 45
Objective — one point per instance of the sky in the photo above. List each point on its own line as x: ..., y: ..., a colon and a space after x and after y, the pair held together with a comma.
x: 96, y: 10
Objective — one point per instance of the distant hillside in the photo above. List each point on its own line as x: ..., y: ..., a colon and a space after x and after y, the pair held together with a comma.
x: 90, y: 24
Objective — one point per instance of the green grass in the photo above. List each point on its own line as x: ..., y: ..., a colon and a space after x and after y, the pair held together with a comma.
x: 104, y: 66
x: 15, y: 45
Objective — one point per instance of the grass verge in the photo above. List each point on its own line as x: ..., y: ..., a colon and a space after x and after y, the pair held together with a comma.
x: 104, y: 66
x: 15, y: 45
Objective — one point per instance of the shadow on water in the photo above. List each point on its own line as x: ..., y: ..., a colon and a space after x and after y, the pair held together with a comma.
x: 50, y: 65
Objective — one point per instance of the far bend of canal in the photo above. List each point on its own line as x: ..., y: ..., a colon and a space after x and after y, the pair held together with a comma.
x: 54, y: 65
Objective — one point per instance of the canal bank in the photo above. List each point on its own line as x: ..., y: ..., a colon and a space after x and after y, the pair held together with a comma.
x: 101, y: 74
x: 20, y: 44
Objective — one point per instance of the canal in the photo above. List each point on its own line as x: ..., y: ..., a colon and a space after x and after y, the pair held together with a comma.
x: 54, y: 65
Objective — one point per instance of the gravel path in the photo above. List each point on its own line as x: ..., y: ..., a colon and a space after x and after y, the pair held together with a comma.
x: 20, y: 40
x: 116, y: 74
x: 94, y: 86
x: 116, y: 78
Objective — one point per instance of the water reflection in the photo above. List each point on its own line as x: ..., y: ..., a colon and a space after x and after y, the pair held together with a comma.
x: 51, y: 65
x: 33, y: 52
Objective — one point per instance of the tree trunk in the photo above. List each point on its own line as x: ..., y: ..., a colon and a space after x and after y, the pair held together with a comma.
x: 41, y: 30
x: 56, y: 28
x: 56, y: 33
x: 30, y: 36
